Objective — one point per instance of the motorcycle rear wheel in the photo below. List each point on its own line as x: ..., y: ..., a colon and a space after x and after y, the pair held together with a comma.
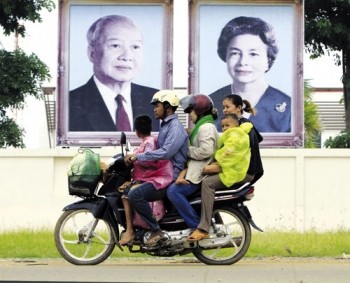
x: 74, y: 244
x: 237, y: 227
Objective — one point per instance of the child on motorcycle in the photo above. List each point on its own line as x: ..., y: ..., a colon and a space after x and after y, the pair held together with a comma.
x: 230, y: 167
x: 158, y: 172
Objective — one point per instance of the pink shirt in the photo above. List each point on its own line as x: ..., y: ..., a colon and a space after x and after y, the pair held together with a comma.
x: 158, y: 172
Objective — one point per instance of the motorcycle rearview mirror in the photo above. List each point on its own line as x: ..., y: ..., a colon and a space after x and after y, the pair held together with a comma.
x: 122, y: 141
x: 122, y: 138
x: 128, y: 146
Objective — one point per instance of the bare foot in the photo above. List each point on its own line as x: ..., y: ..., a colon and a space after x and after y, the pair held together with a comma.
x: 127, y: 238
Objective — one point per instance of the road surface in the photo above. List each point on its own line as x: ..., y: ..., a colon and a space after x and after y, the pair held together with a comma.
x: 179, y: 270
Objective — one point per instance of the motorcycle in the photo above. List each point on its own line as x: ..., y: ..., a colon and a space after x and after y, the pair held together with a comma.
x: 88, y: 230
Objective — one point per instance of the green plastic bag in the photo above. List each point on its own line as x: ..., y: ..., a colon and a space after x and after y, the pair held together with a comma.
x: 84, y: 172
x: 85, y: 162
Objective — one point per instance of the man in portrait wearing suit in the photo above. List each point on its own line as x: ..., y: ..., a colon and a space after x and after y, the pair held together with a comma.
x: 109, y: 101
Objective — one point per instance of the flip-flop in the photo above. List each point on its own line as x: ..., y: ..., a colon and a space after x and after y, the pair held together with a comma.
x: 197, y: 235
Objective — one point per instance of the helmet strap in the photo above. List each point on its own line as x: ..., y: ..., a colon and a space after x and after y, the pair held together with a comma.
x: 165, y: 110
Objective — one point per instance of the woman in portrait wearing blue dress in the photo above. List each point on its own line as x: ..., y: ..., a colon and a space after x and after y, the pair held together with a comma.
x: 249, y: 48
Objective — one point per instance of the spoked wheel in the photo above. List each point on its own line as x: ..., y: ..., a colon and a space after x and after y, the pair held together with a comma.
x: 231, y: 224
x: 82, y: 239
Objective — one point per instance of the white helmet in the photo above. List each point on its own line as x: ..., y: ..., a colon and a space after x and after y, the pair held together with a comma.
x: 166, y: 96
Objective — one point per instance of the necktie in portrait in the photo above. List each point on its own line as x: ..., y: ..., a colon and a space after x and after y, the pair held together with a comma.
x: 122, y: 119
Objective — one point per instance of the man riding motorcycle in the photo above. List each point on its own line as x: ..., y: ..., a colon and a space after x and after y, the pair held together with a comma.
x: 171, y: 144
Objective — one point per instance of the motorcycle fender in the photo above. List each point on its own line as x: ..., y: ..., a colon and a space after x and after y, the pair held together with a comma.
x: 246, y: 213
x: 99, y: 209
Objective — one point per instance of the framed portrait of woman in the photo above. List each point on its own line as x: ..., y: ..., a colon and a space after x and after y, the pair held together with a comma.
x: 252, y: 49
x: 111, y: 62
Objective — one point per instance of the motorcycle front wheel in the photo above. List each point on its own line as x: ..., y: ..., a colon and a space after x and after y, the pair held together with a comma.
x: 81, y: 239
x: 232, y: 224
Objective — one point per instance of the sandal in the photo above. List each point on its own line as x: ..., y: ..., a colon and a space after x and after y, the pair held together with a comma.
x: 197, y: 235
x: 155, y: 237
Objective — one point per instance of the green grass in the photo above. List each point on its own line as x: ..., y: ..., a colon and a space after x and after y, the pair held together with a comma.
x: 40, y: 244
x: 293, y: 244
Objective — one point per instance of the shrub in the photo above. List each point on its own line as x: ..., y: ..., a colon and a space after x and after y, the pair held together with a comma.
x: 340, y: 141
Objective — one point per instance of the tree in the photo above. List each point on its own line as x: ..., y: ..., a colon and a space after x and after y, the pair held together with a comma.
x: 21, y: 75
x: 312, y: 124
x: 327, y: 28
x: 340, y: 141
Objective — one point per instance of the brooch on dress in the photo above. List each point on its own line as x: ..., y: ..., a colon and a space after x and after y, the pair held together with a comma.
x: 281, y: 107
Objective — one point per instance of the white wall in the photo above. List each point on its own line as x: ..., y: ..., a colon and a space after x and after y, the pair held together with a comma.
x: 301, y: 189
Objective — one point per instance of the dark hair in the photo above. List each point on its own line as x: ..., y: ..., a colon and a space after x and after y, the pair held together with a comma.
x: 248, y: 25
x: 143, y: 124
x: 238, y: 101
x: 167, y: 105
x: 214, y: 113
x: 231, y: 116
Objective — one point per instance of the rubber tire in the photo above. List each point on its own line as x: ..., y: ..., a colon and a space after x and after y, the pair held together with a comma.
x: 66, y: 255
x: 198, y: 252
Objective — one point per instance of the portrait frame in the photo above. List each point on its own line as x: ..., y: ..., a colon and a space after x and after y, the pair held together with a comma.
x: 208, y: 17
x: 155, y: 20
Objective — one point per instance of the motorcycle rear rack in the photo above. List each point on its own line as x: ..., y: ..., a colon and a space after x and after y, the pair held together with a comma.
x: 236, y: 191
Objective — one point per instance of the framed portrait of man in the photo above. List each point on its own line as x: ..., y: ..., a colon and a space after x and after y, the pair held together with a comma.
x: 253, y: 50
x: 111, y: 63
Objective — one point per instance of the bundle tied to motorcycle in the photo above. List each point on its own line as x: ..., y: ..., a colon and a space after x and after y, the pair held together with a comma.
x: 89, y: 229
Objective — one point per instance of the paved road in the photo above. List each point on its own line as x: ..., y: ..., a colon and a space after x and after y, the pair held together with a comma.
x: 180, y: 270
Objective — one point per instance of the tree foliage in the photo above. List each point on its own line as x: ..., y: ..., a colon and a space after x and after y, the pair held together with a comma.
x: 10, y: 133
x: 327, y: 28
x: 312, y: 124
x: 21, y: 75
x: 340, y: 141
x: 14, y: 12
